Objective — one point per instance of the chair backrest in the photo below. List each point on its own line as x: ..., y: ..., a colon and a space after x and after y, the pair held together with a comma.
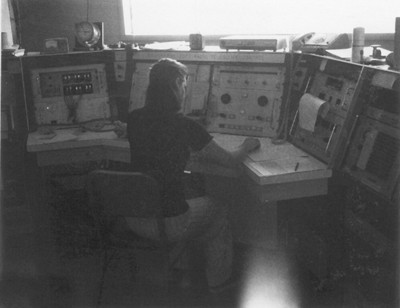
x: 126, y: 194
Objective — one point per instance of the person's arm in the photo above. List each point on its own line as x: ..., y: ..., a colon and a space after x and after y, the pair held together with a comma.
x: 214, y: 152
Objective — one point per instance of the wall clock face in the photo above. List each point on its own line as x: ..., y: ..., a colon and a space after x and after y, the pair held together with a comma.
x: 87, y: 33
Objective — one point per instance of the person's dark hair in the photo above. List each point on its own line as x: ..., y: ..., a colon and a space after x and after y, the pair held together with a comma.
x: 162, y: 92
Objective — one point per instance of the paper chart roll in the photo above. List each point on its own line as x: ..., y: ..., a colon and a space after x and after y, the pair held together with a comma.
x: 309, y: 109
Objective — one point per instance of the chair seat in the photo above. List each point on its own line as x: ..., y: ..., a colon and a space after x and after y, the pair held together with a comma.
x: 123, y: 237
x: 127, y: 238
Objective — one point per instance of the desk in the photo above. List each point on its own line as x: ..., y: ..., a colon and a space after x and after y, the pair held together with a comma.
x: 271, y: 174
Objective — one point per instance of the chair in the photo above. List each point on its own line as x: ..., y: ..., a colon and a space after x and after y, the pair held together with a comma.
x: 114, y: 195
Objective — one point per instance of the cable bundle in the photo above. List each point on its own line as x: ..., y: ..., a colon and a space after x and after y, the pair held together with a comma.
x: 72, y: 105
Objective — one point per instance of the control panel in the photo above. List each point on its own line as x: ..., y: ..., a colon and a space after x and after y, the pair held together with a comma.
x: 234, y: 93
x: 336, y: 90
x: 71, y: 94
x: 245, y: 99
x: 197, y: 90
x: 373, y: 155
x: 330, y: 87
x: 380, y: 98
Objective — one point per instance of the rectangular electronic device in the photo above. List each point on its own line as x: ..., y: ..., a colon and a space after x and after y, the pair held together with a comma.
x: 333, y: 83
x: 56, y: 45
x: 246, y: 99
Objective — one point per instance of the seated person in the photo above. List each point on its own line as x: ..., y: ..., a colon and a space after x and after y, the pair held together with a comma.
x: 161, y: 140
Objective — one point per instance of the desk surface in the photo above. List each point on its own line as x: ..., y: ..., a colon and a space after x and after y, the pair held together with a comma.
x: 271, y: 164
x: 70, y: 138
x: 277, y: 163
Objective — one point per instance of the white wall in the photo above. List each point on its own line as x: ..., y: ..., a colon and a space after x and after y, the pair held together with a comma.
x: 6, y: 21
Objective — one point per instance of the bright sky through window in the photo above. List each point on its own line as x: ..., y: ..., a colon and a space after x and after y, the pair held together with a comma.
x: 174, y: 17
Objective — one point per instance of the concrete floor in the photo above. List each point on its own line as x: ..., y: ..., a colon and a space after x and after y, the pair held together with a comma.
x: 37, y: 274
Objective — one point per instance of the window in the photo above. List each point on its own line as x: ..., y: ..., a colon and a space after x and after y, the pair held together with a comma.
x: 213, y: 17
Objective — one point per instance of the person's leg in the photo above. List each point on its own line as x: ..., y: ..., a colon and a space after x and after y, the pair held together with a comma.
x: 205, y: 221
x: 208, y: 222
x: 147, y: 227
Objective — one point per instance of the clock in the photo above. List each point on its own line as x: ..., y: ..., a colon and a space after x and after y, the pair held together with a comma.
x: 89, y: 36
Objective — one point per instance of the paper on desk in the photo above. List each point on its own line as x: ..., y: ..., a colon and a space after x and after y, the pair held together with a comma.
x: 267, y: 150
x: 287, y: 165
x: 268, y: 168
x: 57, y: 137
x: 270, y: 151
x: 97, y: 135
x: 309, y: 109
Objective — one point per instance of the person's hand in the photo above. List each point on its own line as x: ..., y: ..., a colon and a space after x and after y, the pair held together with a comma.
x: 120, y: 129
x: 251, y: 144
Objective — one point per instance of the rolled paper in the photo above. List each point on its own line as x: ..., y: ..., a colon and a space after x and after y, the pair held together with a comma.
x: 309, y: 109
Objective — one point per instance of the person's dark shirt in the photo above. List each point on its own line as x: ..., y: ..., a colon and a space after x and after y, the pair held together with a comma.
x: 161, y: 144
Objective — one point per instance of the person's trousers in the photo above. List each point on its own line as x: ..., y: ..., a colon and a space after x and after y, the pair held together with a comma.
x: 205, y: 221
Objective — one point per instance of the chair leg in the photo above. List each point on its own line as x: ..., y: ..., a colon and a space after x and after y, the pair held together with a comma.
x: 176, y: 253
x: 106, y: 262
x: 166, y: 279
x: 133, y: 267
